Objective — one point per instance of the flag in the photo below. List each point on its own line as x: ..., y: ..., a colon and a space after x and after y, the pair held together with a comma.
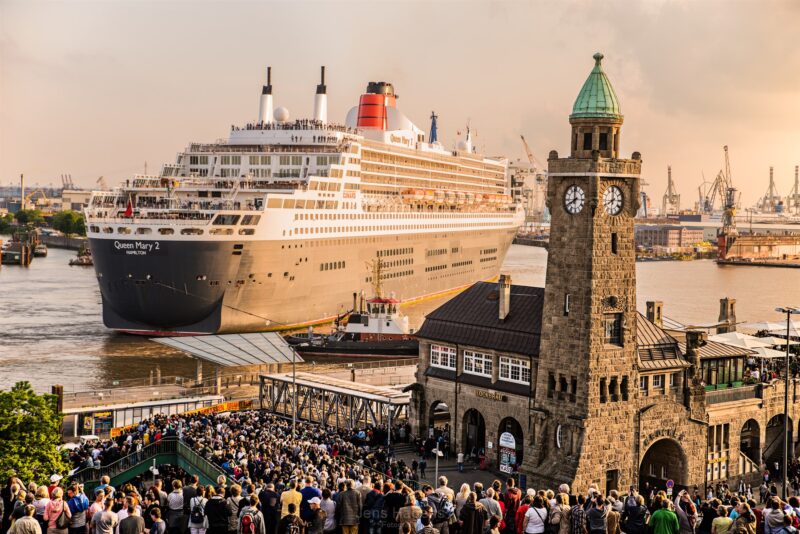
x: 129, y: 208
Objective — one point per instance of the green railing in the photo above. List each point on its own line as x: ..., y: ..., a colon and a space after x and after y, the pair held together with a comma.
x: 165, y: 451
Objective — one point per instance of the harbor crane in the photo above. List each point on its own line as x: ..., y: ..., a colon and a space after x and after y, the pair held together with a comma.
x: 793, y: 200
x: 66, y: 181
x: 671, y: 200
x: 730, y: 198
x: 102, y: 183
x: 771, y: 199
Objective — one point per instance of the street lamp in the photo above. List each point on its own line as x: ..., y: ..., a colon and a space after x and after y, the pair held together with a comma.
x: 438, y: 453
x: 789, y: 312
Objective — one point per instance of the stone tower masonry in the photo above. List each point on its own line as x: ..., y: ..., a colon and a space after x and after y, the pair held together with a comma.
x: 586, y: 385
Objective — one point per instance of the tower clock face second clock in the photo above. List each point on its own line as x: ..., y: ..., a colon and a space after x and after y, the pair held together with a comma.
x: 612, y: 200
x: 574, y: 199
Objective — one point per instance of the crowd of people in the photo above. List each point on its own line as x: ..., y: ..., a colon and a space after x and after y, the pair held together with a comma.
x: 308, y: 479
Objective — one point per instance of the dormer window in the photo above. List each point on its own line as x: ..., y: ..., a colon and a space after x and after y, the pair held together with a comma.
x: 603, y: 141
x: 587, y: 141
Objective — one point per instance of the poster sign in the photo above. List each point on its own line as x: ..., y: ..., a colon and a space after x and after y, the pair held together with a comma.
x: 508, y: 452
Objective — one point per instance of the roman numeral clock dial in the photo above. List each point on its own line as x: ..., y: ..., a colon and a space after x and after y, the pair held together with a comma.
x: 574, y: 199
x: 612, y: 200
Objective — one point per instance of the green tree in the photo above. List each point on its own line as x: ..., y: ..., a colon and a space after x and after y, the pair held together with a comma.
x: 70, y: 222
x: 32, y: 217
x: 30, y: 432
x: 5, y: 223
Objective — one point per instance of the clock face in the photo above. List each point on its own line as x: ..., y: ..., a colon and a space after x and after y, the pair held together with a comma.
x: 612, y: 200
x: 574, y: 199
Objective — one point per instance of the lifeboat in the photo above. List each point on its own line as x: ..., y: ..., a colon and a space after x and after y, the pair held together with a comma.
x: 461, y: 197
x: 439, y: 196
x: 470, y: 198
x: 429, y: 194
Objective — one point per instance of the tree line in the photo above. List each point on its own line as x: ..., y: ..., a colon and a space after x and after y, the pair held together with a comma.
x: 68, y: 222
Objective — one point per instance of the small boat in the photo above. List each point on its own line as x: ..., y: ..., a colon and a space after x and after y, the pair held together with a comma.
x: 82, y: 261
x: 376, y: 330
x: 40, y: 251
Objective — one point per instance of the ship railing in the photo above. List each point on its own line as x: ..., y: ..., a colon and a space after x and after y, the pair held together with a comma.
x: 300, y: 124
x: 265, y: 149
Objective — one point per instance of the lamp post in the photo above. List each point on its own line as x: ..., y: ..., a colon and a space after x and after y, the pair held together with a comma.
x: 785, y: 482
x: 294, y: 392
x: 438, y: 453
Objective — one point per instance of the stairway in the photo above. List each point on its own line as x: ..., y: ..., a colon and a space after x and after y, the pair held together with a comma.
x: 165, y: 451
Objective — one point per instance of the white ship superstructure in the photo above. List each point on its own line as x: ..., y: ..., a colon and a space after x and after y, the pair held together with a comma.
x: 273, y: 227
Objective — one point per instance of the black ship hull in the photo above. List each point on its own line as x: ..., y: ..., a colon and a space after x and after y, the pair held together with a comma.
x: 361, y: 349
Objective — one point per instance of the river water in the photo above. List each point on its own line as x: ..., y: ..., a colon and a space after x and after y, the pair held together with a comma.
x: 51, y: 330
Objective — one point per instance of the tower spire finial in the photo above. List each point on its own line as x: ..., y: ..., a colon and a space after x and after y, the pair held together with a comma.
x: 598, y: 57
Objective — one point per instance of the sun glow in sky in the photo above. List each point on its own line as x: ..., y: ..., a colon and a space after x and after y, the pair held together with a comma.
x: 99, y: 87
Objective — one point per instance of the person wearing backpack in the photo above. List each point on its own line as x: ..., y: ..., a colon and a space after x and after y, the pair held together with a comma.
x: 251, y: 521
x: 198, y: 522
x: 57, y: 513
x: 232, y: 503
x: 443, y: 511
x: 217, y: 512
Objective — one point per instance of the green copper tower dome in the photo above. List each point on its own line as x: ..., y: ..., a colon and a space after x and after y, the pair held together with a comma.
x: 597, y: 98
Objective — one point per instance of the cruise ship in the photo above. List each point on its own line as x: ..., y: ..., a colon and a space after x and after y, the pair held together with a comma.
x: 275, y: 227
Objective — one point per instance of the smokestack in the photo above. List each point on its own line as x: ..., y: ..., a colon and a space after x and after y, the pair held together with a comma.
x: 321, y: 99
x: 504, y: 292
x: 655, y: 309
x: 265, y: 102
x: 22, y: 191
x: 727, y: 315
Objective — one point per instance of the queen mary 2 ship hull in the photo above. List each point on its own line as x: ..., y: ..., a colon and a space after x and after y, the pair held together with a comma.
x: 160, y: 287
x: 274, y: 227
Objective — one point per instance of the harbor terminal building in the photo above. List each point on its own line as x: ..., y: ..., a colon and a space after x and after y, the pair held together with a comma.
x: 569, y: 383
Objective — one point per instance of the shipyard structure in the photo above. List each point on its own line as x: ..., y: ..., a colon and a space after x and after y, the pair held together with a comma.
x: 568, y: 383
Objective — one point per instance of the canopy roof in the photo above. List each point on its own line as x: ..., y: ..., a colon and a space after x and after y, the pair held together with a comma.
x: 738, y: 339
x: 234, y: 350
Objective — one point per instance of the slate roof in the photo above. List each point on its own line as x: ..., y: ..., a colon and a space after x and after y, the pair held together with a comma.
x: 656, y: 348
x: 471, y: 318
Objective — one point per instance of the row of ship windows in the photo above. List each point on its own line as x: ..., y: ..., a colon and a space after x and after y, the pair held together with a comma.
x: 488, y: 258
x: 143, y: 230
x: 331, y: 265
x: 388, y: 276
x: 265, y: 160
x: 384, y: 216
x: 395, y: 252
x: 391, y: 227
x: 380, y: 157
x: 488, y: 251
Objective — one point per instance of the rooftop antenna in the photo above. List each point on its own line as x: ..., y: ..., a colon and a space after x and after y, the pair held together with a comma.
x: 434, y: 138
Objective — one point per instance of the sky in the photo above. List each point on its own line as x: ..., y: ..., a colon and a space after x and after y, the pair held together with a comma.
x: 98, y: 88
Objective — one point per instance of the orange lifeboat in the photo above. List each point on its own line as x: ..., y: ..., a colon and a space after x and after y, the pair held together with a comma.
x: 439, y: 195
x: 460, y: 197
x: 429, y: 194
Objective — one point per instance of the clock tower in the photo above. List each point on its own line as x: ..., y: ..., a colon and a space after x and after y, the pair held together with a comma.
x: 586, y: 384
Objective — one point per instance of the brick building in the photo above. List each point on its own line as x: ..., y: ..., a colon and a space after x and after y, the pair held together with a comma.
x: 668, y: 238
x: 569, y: 383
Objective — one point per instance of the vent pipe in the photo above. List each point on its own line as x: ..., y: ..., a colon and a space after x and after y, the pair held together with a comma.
x: 504, y: 292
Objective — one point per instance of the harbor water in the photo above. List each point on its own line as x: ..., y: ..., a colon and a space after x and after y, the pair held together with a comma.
x: 51, y: 329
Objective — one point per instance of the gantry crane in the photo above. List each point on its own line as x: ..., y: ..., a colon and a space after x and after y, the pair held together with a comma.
x: 793, y: 200
x: 771, y: 199
x: 671, y: 197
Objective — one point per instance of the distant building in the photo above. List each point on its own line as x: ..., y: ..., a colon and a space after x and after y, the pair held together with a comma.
x: 75, y: 199
x: 668, y: 238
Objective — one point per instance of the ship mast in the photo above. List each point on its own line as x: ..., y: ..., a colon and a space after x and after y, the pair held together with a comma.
x: 376, y: 266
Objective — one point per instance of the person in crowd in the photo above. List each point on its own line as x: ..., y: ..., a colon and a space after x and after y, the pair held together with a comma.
x: 328, y: 505
x: 636, y: 516
x: 105, y: 521
x: 349, y: 505
x: 578, y: 516
x: 307, y: 493
x: 40, y: 504
x: 289, y: 523
x: 189, y: 492
x: 233, y: 504
x: 409, y: 513
x: 722, y: 523
x: 57, y: 513
x: 461, y: 498
x: 427, y: 527
x: 78, y: 506
x: 491, y: 505
x: 198, y: 522
x: 175, y: 508
x: 251, y: 520
x: 217, y: 512
x: 133, y: 523
x: 664, y: 520
x: 745, y: 522
x: 317, y: 516
x: 159, y: 526
x: 773, y: 517
x: 291, y: 496
x: 559, y: 514
x: 613, y: 518
x: 27, y: 524
x: 597, y: 515
x: 686, y: 512
x: 535, y: 520
x: 473, y: 516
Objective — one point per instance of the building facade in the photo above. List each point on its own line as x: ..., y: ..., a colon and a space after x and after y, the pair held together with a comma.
x: 668, y: 238
x: 569, y: 383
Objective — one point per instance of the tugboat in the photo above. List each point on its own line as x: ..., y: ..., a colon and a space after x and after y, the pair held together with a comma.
x: 84, y: 258
x: 377, y: 329
x: 40, y: 251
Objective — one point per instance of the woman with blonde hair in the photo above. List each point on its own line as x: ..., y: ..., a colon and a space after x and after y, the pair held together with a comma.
x: 559, y: 513
x: 461, y: 498
x: 57, y: 513
x: 40, y: 503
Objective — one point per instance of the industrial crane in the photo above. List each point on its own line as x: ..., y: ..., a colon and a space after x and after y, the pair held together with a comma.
x: 793, y: 200
x: 102, y: 183
x: 771, y: 200
x: 730, y: 198
x: 671, y: 197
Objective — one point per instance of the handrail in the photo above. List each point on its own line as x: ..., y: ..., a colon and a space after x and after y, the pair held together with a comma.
x: 208, y: 468
x: 162, y: 446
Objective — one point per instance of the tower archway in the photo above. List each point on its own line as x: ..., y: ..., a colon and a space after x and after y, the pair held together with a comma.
x: 474, y: 433
x: 509, y: 445
x: 750, y: 440
x: 664, y: 460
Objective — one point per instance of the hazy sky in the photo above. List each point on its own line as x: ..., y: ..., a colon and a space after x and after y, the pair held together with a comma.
x: 98, y: 88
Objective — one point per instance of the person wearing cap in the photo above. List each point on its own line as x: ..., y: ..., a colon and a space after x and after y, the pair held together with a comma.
x: 317, y: 516
x: 54, y: 480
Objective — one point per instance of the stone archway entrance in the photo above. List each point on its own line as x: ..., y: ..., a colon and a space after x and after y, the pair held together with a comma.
x: 439, y: 416
x: 664, y: 460
x: 474, y: 429
x: 772, y: 451
x: 509, y: 445
x: 750, y: 441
